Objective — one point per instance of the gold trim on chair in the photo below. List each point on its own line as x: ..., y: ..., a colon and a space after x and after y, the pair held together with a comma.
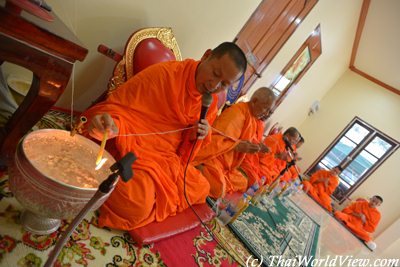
x: 124, y: 69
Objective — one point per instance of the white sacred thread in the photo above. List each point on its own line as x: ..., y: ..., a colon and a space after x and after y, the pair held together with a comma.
x: 156, y: 133
x: 223, y: 134
x: 178, y: 130
x: 72, y: 95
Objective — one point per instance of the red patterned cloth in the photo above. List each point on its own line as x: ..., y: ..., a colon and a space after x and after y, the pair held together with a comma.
x: 197, y: 248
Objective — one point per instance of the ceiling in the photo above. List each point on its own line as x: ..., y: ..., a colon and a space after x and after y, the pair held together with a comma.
x: 376, y: 50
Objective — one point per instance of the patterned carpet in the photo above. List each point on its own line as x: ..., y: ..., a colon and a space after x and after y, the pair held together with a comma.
x: 277, y: 228
x: 262, y: 230
x: 93, y: 246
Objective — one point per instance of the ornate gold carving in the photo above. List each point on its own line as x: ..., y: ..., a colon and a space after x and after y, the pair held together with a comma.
x: 118, y: 78
x: 166, y: 37
x: 124, y: 69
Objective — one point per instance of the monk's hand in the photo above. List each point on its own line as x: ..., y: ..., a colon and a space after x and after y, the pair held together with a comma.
x: 246, y: 146
x: 282, y: 156
x: 297, y: 157
x: 202, y: 129
x: 363, y: 218
x: 263, y: 148
x: 101, y: 123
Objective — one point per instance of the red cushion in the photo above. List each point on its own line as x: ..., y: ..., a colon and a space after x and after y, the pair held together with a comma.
x: 149, y: 52
x: 171, y: 226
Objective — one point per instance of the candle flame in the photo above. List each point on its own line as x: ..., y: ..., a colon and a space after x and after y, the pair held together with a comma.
x: 101, y: 163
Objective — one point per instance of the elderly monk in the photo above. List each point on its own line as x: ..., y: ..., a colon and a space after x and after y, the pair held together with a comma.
x: 163, y: 97
x: 271, y: 164
x: 362, y: 216
x: 321, y: 185
x: 242, y: 131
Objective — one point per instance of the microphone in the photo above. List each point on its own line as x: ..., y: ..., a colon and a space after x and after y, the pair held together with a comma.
x: 206, y: 101
x: 289, y: 148
x: 287, y: 143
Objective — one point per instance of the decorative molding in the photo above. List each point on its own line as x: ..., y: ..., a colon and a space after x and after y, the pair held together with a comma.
x: 372, y: 79
x: 360, y: 28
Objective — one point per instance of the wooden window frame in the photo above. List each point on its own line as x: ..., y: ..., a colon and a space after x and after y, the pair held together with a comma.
x: 314, y: 45
x: 355, y: 152
x: 268, y: 29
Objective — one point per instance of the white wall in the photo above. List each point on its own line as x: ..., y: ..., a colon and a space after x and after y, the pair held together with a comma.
x: 389, y: 241
x: 198, y: 25
x: 354, y: 96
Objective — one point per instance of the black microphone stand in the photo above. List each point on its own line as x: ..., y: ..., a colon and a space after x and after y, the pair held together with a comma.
x: 121, y: 168
x: 289, y: 164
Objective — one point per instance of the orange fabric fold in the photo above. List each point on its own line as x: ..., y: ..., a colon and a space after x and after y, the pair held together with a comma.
x: 219, y: 158
x: 270, y: 166
x: 318, y: 191
x: 251, y: 167
x: 291, y: 174
x: 354, y: 223
x: 161, y: 98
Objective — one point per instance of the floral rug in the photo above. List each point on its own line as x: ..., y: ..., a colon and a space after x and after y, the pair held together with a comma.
x: 93, y: 246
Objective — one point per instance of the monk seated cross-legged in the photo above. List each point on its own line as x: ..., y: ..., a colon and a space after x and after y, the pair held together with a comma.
x: 161, y: 98
x: 361, y: 217
x: 321, y: 185
x: 242, y: 131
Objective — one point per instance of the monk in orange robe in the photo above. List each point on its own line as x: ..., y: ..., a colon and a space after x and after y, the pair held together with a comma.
x: 163, y: 97
x: 361, y: 217
x: 294, y: 170
x: 242, y: 132
x: 271, y: 164
x: 321, y: 185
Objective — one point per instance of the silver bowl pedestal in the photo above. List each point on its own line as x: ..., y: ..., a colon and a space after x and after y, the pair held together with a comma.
x: 48, y: 200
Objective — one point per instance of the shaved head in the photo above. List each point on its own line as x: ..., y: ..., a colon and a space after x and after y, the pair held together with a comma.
x: 264, y: 93
x: 261, y: 102
x: 234, y: 52
x: 292, y: 135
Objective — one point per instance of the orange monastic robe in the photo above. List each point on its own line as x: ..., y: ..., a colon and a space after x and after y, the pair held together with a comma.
x: 161, y: 98
x: 292, y: 173
x: 219, y: 158
x: 354, y: 223
x: 251, y: 167
x: 270, y: 166
x: 318, y: 191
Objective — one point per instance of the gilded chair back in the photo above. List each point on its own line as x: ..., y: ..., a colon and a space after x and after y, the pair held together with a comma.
x: 144, y: 47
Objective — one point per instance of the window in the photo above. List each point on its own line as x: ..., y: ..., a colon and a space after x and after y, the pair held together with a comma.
x: 359, y: 150
x: 297, y: 66
x: 285, y: 80
x: 266, y: 31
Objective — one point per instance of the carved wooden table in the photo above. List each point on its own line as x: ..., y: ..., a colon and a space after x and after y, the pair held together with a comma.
x: 49, y: 50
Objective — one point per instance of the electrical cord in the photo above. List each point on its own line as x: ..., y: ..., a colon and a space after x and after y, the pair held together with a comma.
x: 276, y: 227
x: 198, y: 217
x: 288, y: 164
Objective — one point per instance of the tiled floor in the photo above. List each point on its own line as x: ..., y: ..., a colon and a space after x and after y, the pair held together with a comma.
x: 334, y: 238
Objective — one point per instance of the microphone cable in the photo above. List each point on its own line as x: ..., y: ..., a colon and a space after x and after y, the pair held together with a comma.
x: 276, y: 227
x: 198, y: 217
